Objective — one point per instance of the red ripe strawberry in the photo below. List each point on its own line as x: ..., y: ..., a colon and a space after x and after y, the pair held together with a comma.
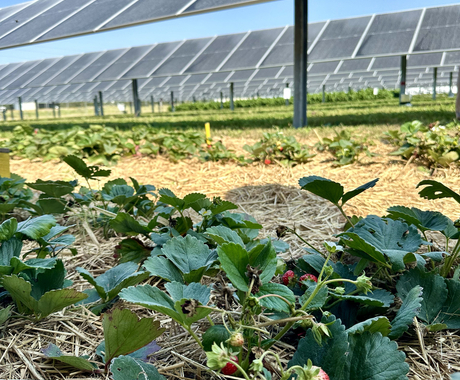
x: 321, y: 375
x: 267, y: 161
x: 308, y: 276
x: 289, y: 278
x: 281, y: 149
x: 230, y: 368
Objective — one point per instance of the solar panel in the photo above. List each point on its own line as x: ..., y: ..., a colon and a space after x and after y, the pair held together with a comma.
x: 242, y: 75
x: 430, y: 59
x: 390, y: 33
x: 97, y: 66
x: 440, y: 29
x: 215, y: 53
x: 252, y: 50
x: 179, y: 60
x: 386, y: 63
x: 325, y: 67
x: 31, y: 74
x: 19, y: 19
x: 123, y: 64
x: 355, y: 65
x: 218, y: 77
x: 340, y: 39
x: 74, y: 69
x: 46, y: 76
x: 40, y: 24
x: 152, y: 60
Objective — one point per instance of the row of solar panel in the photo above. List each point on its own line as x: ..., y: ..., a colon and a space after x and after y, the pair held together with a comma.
x: 121, y: 90
x: 229, y: 58
x: 422, y: 30
x: 45, y: 20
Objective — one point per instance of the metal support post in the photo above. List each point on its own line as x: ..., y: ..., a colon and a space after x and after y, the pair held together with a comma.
x: 137, y: 108
x: 54, y: 109
x: 96, y: 106
x: 402, y: 89
x: 12, y: 113
x: 172, y: 102
x: 324, y: 93
x: 221, y: 100
x: 300, y: 62
x: 457, y: 102
x: 36, y: 109
x: 435, y: 80
x: 153, y: 103
x: 4, y: 114
x: 451, y: 84
x: 232, y: 103
x: 194, y: 99
x: 21, y: 114
x: 59, y: 109
x: 101, y: 103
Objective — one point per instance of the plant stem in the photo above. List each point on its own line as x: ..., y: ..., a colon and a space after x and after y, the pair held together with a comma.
x: 243, y: 372
x: 345, y: 215
x: 190, y: 331
x: 276, y: 296
x: 210, y: 320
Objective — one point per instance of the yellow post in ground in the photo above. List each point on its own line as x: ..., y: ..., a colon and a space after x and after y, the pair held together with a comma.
x: 5, y: 163
x: 207, y: 128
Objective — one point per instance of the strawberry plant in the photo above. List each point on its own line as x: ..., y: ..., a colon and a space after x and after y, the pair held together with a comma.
x: 13, y: 195
x: 128, y: 342
x: 276, y: 147
x: 432, y: 146
x: 343, y: 148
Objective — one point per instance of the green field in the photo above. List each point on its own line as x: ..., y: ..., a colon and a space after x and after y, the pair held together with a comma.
x: 359, y: 113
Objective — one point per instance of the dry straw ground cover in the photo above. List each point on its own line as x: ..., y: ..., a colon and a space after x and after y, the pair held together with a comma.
x: 269, y: 193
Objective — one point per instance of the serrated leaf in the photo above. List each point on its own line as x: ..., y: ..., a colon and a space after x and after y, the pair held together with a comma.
x: 10, y: 249
x: 190, y: 199
x: 330, y: 356
x: 53, y: 352
x: 110, y: 283
x: 436, y: 190
x: 50, y: 302
x: 379, y: 237
x: 128, y: 368
x: 5, y: 314
x: 234, y: 261
x: 125, y: 333
x: 36, y: 228
x: 274, y: 303
x: 191, y: 256
x: 450, y: 312
x: 163, y: 268
x: 353, y: 193
x: 434, y: 292
x: 318, y: 301
x: 378, y: 298
x: 352, y: 356
x: 55, y: 189
x: 152, y: 298
x: 423, y: 220
x: 222, y: 234
x: 323, y: 187
x: 373, y: 325
x: 88, y: 172
x: 7, y: 229
x: 132, y: 250
x: 126, y: 224
x: 373, y: 357
x: 195, y: 291
x: 410, y: 308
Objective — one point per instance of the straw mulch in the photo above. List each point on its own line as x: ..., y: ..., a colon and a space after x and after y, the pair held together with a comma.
x: 272, y: 196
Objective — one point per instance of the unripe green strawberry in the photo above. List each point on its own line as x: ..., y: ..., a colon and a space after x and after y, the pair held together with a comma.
x: 236, y: 340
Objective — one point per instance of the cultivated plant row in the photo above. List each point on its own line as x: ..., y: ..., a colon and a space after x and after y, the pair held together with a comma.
x: 343, y: 306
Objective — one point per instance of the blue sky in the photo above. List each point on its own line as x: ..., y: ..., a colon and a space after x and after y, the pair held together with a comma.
x: 261, y: 16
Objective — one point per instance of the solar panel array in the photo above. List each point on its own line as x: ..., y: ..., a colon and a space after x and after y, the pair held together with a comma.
x: 361, y: 51
x: 46, y: 20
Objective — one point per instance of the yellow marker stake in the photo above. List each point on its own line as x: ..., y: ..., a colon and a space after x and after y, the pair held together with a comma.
x: 5, y: 163
x: 207, y: 128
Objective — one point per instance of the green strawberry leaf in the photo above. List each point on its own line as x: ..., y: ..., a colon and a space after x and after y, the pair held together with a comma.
x: 323, y: 187
x: 373, y: 325
x: 423, y: 220
x: 53, y: 352
x: 409, y: 309
x: 128, y: 368
x: 125, y: 333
